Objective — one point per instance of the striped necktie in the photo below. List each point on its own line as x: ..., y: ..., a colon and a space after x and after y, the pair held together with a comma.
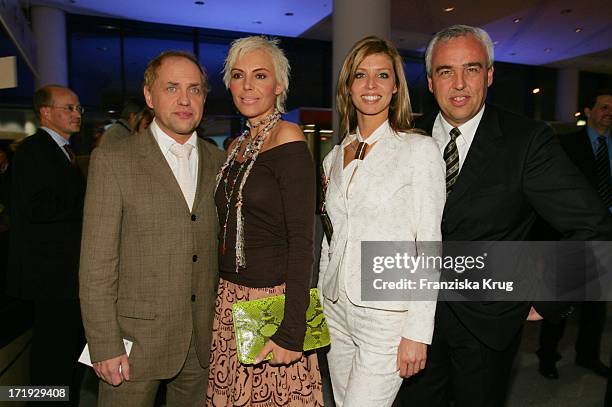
x: 70, y: 152
x: 602, y: 164
x: 451, y: 158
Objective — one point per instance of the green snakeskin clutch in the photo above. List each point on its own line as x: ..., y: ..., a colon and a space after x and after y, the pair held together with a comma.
x: 257, y: 320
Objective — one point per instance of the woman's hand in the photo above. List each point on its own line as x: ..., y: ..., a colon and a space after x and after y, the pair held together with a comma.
x: 280, y: 355
x: 411, y: 357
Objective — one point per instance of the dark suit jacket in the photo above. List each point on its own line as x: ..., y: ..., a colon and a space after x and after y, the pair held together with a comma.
x: 47, y: 195
x: 514, y: 170
x: 578, y: 148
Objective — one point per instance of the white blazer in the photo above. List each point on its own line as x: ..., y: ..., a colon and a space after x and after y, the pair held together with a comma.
x: 397, y: 193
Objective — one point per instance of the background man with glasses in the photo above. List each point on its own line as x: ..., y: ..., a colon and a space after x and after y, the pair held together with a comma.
x: 47, y: 195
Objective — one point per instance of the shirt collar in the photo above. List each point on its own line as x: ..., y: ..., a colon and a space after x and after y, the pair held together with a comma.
x: 467, y: 129
x: 165, y: 141
x: 56, y: 137
x: 593, y: 134
x: 374, y: 137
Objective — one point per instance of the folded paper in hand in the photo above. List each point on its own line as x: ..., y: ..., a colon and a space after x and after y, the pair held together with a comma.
x: 86, y: 359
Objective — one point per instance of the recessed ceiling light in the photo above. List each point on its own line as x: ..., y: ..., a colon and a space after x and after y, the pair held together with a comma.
x: 547, y: 49
x: 111, y: 111
x: 578, y: 29
x: 512, y: 53
x: 71, y: 1
x: 199, y: 3
x: 581, y: 123
x: 495, y: 42
x: 289, y: 14
x: 535, y: 91
x: 517, y: 20
x: 577, y: 114
x: 566, y: 11
x: 449, y: 9
x: 257, y: 22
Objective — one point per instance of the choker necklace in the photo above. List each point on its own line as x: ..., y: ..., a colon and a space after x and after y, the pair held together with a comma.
x: 251, y: 152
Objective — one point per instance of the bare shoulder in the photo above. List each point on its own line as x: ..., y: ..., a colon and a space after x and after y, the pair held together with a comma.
x: 286, y: 132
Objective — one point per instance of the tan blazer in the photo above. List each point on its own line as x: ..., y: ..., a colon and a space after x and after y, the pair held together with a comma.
x: 149, y: 267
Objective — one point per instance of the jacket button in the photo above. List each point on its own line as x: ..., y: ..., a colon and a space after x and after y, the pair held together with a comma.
x: 193, y: 298
x: 194, y: 258
x: 194, y: 218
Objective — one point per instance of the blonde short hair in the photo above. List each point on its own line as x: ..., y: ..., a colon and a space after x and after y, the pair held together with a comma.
x: 280, y: 62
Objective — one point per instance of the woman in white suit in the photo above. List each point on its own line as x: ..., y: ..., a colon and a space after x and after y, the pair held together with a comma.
x: 385, y: 182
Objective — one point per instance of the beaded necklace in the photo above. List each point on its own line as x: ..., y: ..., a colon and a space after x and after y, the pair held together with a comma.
x: 250, y: 155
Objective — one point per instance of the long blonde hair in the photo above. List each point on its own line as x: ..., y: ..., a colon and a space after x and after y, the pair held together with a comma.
x: 400, y: 112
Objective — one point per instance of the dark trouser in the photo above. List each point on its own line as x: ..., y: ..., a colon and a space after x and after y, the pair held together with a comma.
x: 57, y: 340
x: 588, y: 343
x: 460, y: 368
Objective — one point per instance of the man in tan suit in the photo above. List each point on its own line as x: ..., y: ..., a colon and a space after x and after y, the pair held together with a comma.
x: 149, y: 252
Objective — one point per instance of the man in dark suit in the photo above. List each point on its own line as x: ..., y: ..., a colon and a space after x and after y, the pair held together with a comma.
x: 47, y: 195
x: 502, y: 169
x: 589, y: 149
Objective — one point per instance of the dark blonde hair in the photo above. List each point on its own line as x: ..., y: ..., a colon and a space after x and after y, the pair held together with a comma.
x: 150, y: 73
x: 400, y: 113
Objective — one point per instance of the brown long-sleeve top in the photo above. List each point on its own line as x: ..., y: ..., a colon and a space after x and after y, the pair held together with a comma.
x: 279, y: 214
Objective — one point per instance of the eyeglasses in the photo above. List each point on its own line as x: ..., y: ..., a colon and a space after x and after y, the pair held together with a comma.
x: 70, y: 108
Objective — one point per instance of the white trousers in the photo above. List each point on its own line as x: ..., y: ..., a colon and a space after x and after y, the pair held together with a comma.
x: 363, y: 354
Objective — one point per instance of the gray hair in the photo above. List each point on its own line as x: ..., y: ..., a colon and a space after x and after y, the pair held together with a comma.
x: 460, y: 31
x: 280, y: 62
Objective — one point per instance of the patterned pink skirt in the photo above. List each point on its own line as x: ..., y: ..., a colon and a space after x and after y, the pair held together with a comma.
x: 231, y: 383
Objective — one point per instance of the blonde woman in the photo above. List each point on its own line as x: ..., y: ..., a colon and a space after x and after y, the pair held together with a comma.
x: 265, y: 200
x: 385, y: 182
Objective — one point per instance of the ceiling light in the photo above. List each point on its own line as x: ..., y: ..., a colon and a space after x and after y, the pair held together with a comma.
x: 199, y: 3
x: 578, y: 29
x: 111, y: 111
x: 449, y: 9
x: 326, y: 131
x: 517, y: 20
x: 581, y: 123
x: 512, y: 53
x: 257, y: 22
x: 577, y: 114
x: 535, y: 91
x: 289, y: 14
x: 566, y: 11
x: 547, y: 49
x: 495, y: 42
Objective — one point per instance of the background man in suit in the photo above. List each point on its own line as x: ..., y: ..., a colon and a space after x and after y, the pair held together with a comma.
x: 126, y: 124
x: 501, y: 169
x: 590, y: 150
x: 47, y: 192
x: 149, y: 255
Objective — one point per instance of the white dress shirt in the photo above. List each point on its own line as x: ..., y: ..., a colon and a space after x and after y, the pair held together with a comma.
x: 165, y: 142
x: 441, y: 133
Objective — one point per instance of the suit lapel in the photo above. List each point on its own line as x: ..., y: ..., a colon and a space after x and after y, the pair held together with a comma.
x: 482, y: 151
x: 60, y: 157
x: 156, y: 165
x: 206, y: 175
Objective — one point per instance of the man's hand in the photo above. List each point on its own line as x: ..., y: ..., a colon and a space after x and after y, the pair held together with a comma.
x: 533, y: 315
x: 280, y: 355
x: 113, y: 371
x: 411, y: 357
